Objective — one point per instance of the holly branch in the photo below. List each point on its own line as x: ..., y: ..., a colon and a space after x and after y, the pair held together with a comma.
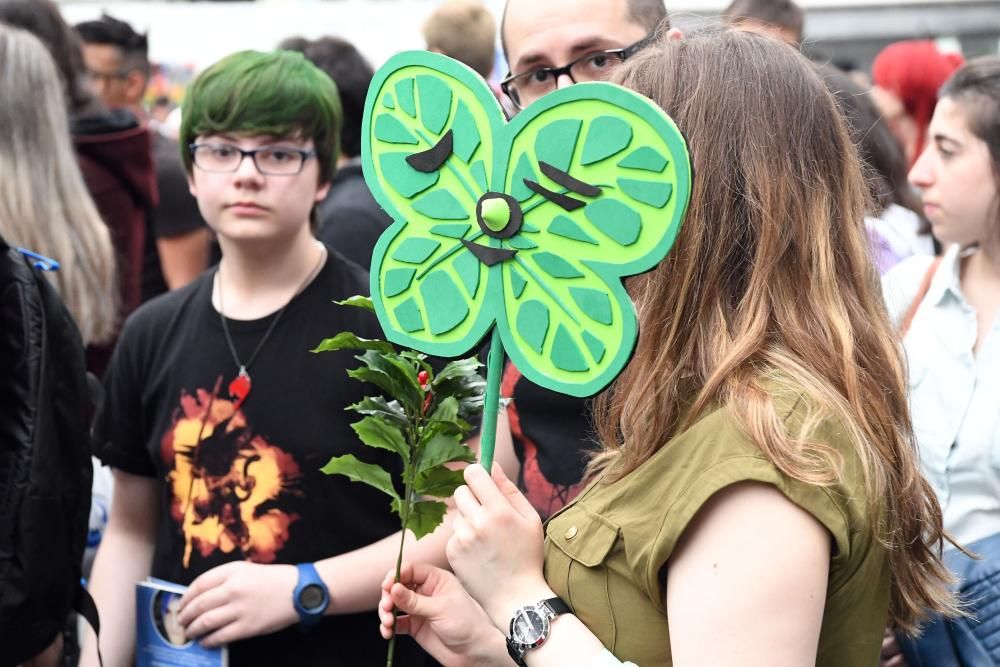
x: 423, y: 417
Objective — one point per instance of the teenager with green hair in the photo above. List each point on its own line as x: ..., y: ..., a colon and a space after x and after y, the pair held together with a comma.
x: 217, y: 418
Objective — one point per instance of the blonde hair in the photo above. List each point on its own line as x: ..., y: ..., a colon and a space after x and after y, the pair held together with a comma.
x: 466, y: 31
x: 44, y: 203
x: 771, y: 278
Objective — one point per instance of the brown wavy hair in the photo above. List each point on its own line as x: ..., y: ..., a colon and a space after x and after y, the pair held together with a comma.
x: 771, y: 277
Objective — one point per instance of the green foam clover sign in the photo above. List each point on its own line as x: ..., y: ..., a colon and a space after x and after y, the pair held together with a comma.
x: 528, y: 225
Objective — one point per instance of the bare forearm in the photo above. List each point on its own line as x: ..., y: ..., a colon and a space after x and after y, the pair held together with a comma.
x: 569, y: 643
x: 354, y: 578
x: 122, y: 560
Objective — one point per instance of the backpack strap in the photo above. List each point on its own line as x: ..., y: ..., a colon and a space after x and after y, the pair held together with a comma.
x: 86, y: 607
x: 925, y: 286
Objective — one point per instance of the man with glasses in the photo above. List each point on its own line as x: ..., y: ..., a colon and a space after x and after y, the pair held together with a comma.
x: 217, y: 417
x: 551, y: 45
x: 178, y: 243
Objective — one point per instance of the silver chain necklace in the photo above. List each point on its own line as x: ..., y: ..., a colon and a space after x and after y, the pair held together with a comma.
x: 239, y: 388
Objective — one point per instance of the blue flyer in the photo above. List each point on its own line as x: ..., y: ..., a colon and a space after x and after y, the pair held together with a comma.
x: 160, y: 640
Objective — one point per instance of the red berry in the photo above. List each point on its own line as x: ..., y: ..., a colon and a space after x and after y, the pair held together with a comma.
x: 422, y: 377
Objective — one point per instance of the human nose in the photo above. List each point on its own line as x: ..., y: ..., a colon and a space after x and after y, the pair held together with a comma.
x: 564, y: 80
x: 247, y: 168
x: 922, y: 172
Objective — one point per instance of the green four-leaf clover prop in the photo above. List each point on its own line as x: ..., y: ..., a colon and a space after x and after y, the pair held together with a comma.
x: 527, y: 226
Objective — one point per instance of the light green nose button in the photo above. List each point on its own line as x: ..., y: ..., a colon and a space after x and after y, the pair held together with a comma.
x: 495, y: 213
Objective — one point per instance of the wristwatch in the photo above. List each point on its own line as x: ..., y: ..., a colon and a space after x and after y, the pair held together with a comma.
x: 310, y: 597
x: 529, y: 626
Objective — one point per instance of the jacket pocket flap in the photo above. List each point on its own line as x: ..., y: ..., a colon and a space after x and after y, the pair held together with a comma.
x: 583, y: 536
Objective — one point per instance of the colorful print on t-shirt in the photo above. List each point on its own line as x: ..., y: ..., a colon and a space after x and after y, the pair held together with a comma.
x: 226, y: 481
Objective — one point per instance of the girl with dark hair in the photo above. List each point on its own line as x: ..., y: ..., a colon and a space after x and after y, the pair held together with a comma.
x: 896, y: 229
x: 947, y: 309
x: 758, y: 500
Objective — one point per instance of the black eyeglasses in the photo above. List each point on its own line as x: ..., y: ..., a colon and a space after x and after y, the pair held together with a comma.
x: 526, y: 87
x: 269, y: 160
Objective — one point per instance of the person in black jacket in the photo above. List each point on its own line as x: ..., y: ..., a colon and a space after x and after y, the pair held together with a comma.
x: 350, y: 219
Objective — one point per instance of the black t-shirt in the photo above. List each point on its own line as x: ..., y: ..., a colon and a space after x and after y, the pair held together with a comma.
x: 553, y: 440
x: 350, y: 219
x: 251, y: 488
x: 177, y: 213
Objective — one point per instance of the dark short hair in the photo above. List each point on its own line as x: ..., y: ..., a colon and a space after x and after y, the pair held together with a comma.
x: 879, y: 151
x: 650, y: 14
x: 352, y: 73
x: 42, y: 19
x: 781, y: 13
x: 134, y: 46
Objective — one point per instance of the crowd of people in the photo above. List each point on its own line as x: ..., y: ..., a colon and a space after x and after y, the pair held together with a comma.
x: 799, y: 466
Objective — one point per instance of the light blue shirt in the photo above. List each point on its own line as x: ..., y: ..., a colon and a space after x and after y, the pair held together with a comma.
x: 954, y: 394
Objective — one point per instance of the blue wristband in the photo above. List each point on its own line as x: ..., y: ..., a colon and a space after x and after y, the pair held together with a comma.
x: 310, y: 597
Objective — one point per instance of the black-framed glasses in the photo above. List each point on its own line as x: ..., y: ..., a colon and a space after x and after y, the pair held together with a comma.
x: 103, y: 78
x: 269, y: 160
x: 526, y: 87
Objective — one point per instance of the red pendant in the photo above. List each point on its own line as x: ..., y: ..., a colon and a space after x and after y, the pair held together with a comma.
x: 239, y: 388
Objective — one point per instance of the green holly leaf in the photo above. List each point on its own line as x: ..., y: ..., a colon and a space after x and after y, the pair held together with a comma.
x: 362, y: 302
x: 446, y: 410
x: 586, y: 186
x: 377, y: 406
x: 378, y: 433
x: 456, y: 370
x: 346, y: 340
x: 443, y: 448
x: 425, y: 516
x: 392, y: 376
x: 439, y: 482
x: 419, y: 359
x: 349, y: 466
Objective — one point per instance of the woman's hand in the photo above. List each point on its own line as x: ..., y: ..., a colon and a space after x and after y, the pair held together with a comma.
x: 238, y: 600
x: 891, y: 655
x: 496, y: 546
x: 443, y: 619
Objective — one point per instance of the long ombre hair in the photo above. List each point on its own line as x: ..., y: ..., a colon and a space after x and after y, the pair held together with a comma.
x: 771, y: 278
x: 44, y: 204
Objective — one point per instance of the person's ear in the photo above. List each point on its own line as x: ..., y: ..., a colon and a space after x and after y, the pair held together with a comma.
x: 322, y: 191
x: 135, y: 86
x: 675, y: 33
x: 191, y: 186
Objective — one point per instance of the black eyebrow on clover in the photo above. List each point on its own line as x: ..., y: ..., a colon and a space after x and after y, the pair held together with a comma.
x: 561, y: 200
x: 431, y: 159
x: 570, y: 183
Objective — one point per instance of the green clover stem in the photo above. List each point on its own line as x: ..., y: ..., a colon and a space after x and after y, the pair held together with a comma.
x: 491, y: 403
x: 409, y: 473
x: 548, y: 290
x: 455, y: 248
x: 465, y: 185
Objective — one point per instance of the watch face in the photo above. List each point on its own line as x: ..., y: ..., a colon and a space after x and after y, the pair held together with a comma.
x: 529, y: 627
x: 311, y: 597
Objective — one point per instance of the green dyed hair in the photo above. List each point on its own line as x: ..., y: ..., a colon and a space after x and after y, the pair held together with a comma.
x: 278, y: 93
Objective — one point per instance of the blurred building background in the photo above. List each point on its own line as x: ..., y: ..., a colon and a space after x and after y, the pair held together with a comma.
x: 189, y: 35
